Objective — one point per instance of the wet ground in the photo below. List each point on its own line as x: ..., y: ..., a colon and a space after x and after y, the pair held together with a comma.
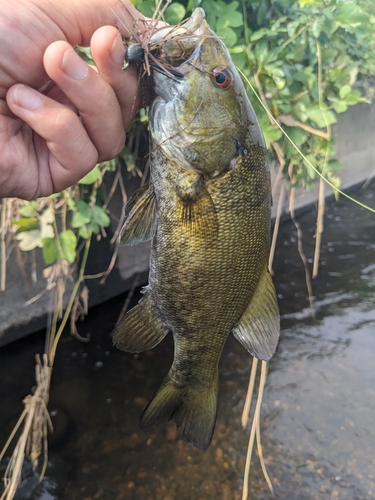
x: 318, y: 414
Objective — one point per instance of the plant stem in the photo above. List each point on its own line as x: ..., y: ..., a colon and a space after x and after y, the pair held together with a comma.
x: 3, y: 246
x: 263, y: 377
x: 299, y: 239
x: 319, y: 228
x: 68, y: 309
x: 64, y: 209
x: 249, y: 394
x: 277, y: 224
x: 321, y: 204
x: 245, y: 491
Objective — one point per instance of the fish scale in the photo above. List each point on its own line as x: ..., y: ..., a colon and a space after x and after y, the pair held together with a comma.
x: 207, y: 211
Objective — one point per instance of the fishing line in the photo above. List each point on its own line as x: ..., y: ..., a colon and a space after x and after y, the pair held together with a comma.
x: 300, y: 152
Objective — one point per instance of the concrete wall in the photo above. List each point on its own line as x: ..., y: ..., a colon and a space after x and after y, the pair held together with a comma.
x: 355, y: 146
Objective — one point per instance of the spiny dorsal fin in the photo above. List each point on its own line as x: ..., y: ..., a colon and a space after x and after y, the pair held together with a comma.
x: 259, y: 327
x: 140, y: 217
x: 141, y: 328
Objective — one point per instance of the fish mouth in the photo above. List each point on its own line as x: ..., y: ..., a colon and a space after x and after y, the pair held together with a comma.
x: 170, y: 46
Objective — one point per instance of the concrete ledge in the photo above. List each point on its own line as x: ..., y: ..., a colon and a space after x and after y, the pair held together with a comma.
x: 355, y: 146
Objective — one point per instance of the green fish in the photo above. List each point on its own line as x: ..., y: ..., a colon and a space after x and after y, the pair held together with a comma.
x: 207, y: 211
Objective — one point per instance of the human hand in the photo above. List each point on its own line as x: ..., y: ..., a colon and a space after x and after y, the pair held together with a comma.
x: 48, y: 141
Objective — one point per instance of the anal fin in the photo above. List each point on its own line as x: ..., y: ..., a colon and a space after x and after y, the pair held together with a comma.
x: 140, y: 217
x: 259, y: 327
x: 141, y: 328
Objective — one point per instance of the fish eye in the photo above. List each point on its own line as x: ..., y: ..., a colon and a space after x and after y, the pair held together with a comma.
x: 221, y: 78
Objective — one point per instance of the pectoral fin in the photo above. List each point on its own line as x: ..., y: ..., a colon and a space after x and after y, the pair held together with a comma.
x: 259, y: 327
x: 141, y: 328
x: 197, y: 212
x: 140, y: 217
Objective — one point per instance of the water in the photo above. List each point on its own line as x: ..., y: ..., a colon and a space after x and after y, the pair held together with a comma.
x: 319, y: 404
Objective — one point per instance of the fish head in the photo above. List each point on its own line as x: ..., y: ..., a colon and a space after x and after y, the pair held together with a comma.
x: 202, y: 118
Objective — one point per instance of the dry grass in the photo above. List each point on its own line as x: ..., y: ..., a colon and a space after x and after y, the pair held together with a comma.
x: 33, y: 439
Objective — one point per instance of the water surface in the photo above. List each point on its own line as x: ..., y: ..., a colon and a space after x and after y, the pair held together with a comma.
x: 318, y: 414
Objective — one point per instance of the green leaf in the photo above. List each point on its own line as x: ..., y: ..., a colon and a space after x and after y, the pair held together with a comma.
x: 273, y: 70
x: 298, y: 136
x: 309, y: 169
x: 46, y: 219
x: 100, y: 217
x: 257, y: 35
x: 55, y: 195
x: 229, y: 36
x: 83, y: 232
x: 271, y: 133
x: 83, y: 214
x: 312, y: 3
x: 192, y: 4
x: 299, y: 111
x: 240, y: 61
x: 147, y: 7
x: 175, y: 13
x: 50, y: 250
x: 91, y: 177
x: 306, y: 76
x: 71, y: 203
x: 29, y: 210
x: 334, y: 164
x: 93, y: 227
x: 68, y: 241
x: 320, y: 117
x: 329, y: 24
x: 340, y: 106
x: 349, y: 15
x: 262, y: 13
x: 354, y: 97
x: 222, y: 23
x: 80, y: 219
x: 28, y: 240
x: 235, y: 19
x: 261, y: 50
x: 344, y: 91
x: 27, y: 224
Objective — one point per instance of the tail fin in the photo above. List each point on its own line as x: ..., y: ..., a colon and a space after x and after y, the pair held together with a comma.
x: 192, y: 409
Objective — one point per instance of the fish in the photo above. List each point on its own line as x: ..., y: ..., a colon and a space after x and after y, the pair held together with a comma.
x: 207, y: 212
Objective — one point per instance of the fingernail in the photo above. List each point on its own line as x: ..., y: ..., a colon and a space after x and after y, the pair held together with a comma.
x: 74, y: 66
x: 117, y: 51
x: 27, y: 98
